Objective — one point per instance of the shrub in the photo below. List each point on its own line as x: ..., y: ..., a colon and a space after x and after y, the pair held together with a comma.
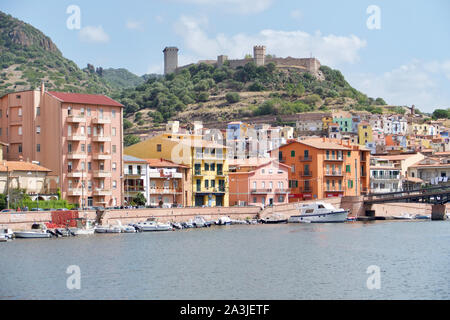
x: 232, y: 97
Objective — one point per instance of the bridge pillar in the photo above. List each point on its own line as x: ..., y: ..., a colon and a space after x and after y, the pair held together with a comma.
x: 438, y: 212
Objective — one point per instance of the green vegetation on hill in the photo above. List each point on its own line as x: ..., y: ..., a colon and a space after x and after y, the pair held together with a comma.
x: 121, y: 78
x: 27, y: 57
x: 292, y: 91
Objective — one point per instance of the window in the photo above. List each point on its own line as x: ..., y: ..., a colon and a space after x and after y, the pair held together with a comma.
x: 82, y: 131
x: 0, y: 131
x: 114, y: 184
x: 69, y: 147
x: 254, y: 186
x: 292, y: 153
x: 83, y: 147
x: 38, y: 111
x: 20, y: 148
x: 114, y: 166
x: 347, y: 168
x: 206, y: 184
x: 89, y: 148
x: 69, y: 111
x: 206, y: 166
x: 349, y: 153
x: 38, y: 129
x: 113, y: 114
x: 89, y: 131
x: 113, y: 132
x: 101, y: 114
x: 82, y: 112
x: 350, y: 184
x: 114, y: 148
x: 213, y: 183
x: 158, y: 148
x: 20, y: 112
x: 89, y: 185
x: 38, y: 148
x: 89, y: 112
x: 20, y: 131
x: 1, y: 113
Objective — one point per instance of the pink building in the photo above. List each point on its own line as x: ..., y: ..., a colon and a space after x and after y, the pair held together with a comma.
x: 77, y: 136
x: 258, y: 182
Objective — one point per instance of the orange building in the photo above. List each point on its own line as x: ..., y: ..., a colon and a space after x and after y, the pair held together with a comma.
x: 77, y: 136
x: 322, y: 168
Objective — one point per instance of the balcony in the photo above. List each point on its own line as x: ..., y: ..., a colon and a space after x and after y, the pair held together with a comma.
x: 101, y: 156
x: 282, y: 191
x: 102, y: 174
x: 261, y: 191
x: 165, y: 191
x: 135, y: 173
x: 101, y: 138
x: 334, y: 159
x: 75, y: 192
x: 75, y: 155
x: 305, y: 158
x: 134, y: 189
x: 76, y: 119
x: 76, y: 137
x: 76, y: 174
x: 102, y: 120
x: 334, y: 173
x: 102, y: 192
x: 305, y: 173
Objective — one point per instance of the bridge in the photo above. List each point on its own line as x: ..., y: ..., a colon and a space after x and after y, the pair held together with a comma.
x: 439, y: 195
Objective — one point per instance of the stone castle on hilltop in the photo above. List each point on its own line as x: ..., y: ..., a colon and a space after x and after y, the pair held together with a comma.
x: 260, y: 58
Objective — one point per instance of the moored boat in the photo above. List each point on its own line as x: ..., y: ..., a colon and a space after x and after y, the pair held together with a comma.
x: 319, y: 212
x: 153, y: 226
x: 224, y: 221
x: 7, y: 233
x: 38, y: 231
x: 405, y: 216
x: 275, y: 219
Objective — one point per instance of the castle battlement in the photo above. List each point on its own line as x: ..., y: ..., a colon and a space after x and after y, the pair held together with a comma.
x: 310, y: 65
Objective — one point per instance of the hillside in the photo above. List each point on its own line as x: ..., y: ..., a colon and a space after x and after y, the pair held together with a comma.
x: 27, y: 56
x: 211, y: 94
x: 121, y: 78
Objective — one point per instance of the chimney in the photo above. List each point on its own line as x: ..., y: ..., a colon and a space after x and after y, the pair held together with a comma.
x: 42, y: 87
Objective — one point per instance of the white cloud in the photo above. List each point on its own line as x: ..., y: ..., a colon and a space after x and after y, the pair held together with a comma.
x: 134, y: 25
x: 422, y: 83
x: 331, y: 50
x: 93, y: 34
x: 234, y: 6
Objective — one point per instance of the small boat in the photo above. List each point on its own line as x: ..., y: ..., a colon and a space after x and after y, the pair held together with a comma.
x: 108, y: 229
x: 7, y: 233
x: 187, y: 225
x: 177, y: 225
x: 405, y: 216
x: 125, y: 229
x: 234, y: 221
x: 224, y: 221
x: 352, y: 219
x: 4, y: 238
x: 422, y: 217
x: 153, y: 226
x: 84, y: 227
x: 199, y: 222
x: 319, y: 212
x: 252, y: 221
x: 38, y: 231
x: 64, y: 232
x: 275, y: 219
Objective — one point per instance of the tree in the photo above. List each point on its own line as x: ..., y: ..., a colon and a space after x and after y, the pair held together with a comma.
x: 127, y: 124
x: 2, y: 201
x: 139, y: 200
x: 232, y: 97
x: 380, y: 102
x: 441, y: 114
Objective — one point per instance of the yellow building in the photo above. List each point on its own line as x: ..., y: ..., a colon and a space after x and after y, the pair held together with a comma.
x: 207, y: 184
x: 326, y: 122
x: 364, y: 133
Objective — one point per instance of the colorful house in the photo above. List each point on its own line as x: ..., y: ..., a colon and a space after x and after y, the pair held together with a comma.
x: 364, y: 133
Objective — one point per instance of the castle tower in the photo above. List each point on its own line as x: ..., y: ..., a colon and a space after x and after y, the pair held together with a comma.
x: 170, y: 59
x: 259, y: 55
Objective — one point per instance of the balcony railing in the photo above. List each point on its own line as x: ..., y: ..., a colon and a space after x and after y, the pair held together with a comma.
x: 334, y: 173
x: 102, y: 192
x: 75, y: 174
x: 76, y: 155
x: 102, y: 174
x: 261, y: 191
x: 76, y: 137
x: 334, y: 159
x: 74, y: 192
x: 103, y: 138
x: 385, y: 177
x: 76, y: 119
x: 282, y: 191
x: 102, y: 120
x: 305, y: 173
x: 102, y: 156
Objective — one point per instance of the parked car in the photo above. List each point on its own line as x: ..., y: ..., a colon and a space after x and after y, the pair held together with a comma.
x: 8, y: 211
x: 37, y: 209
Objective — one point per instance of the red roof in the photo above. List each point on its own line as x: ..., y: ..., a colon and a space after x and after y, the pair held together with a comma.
x: 82, y: 98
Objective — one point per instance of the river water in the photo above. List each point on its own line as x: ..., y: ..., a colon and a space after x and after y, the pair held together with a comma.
x: 294, y: 261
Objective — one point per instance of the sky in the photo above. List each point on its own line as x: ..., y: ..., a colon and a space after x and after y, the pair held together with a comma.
x: 398, y: 50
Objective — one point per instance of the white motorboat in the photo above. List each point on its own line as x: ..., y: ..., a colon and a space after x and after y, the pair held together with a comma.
x: 153, y: 226
x: 7, y: 233
x: 199, y: 222
x: 125, y: 229
x: 223, y: 221
x: 3, y: 238
x: 37, y: 231
x: 319, y: 212
x: 108, y: 229
x: 275, y: 218
x: 84, y: 227
x: 405, y: 216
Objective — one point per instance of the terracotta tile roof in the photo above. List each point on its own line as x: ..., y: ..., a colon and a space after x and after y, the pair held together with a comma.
x: 161, y: 163
x: 327, y: 144
x: 396, y: 157
x: 81, y: 98
x: 21, y: 166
